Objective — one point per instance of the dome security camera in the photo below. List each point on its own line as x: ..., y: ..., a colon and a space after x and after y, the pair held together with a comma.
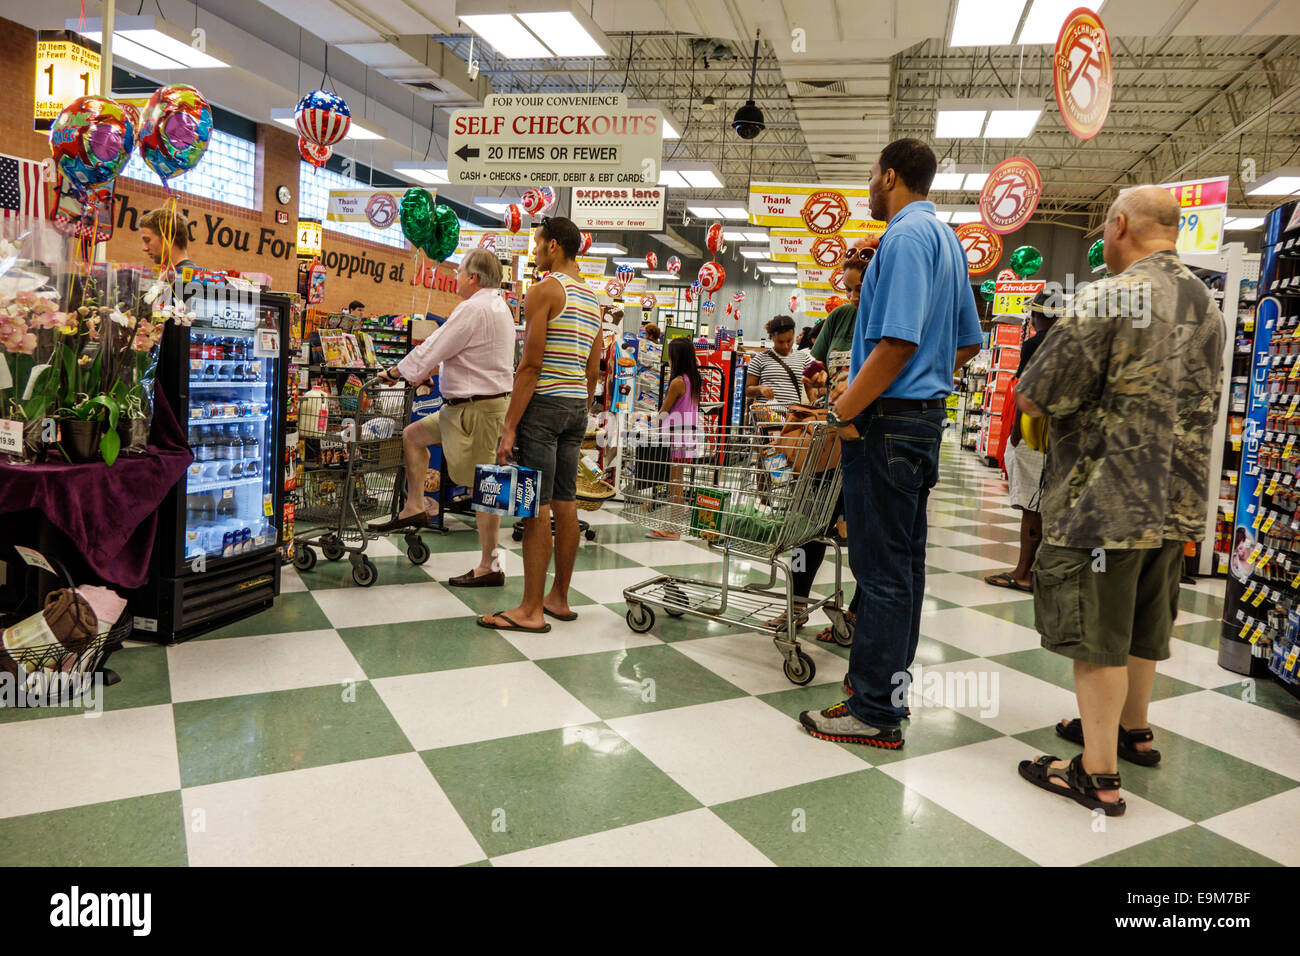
x: 748, y: 121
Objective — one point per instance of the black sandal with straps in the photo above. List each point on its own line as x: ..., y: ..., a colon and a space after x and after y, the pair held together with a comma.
x: 1073, y: 731
x: 1081, y: 787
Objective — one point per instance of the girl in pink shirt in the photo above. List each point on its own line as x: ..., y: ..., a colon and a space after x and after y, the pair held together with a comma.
x: 679, y: 418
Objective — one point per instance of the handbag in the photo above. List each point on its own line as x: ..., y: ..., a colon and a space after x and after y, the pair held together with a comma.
x: 801, y: 450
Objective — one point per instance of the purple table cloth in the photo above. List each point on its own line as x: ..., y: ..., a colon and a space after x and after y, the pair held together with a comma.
x: 109, y: 514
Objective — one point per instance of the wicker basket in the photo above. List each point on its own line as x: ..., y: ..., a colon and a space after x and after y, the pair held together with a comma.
x: 593, y: 494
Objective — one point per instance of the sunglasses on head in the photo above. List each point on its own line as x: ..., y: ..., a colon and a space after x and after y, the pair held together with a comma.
x: 864, y: 254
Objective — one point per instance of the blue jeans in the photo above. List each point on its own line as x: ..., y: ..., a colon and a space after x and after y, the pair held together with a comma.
x: 888, y: 474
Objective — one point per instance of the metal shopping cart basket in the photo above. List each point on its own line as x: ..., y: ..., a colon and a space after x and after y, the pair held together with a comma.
x: 743, y: 496
x: 352, y: 475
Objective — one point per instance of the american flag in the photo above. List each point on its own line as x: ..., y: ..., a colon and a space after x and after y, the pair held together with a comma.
x: 22, y: 193
x: 738, y: 297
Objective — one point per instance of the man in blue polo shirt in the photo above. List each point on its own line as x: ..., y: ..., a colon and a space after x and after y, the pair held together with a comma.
x: 917, y: 323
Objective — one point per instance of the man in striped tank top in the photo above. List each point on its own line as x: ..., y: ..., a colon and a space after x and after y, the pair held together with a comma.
x: 547, y: 420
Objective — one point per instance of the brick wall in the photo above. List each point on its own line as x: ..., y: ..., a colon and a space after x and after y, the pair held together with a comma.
x: 225, y: 236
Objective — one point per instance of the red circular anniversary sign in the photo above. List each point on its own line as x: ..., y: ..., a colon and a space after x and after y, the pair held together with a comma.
x: 1082, y: 73
x: 828, y: 251
x: 837, y: 281
x: 983, y: 246
x: 1010, y: 195
x: 825, y: 212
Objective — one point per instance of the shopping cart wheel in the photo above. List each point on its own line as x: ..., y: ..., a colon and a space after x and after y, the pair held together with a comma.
x: 591, y: 534
x: 365, y: 573
x: 640, y: 618
x: 332, y: 548
x: 676, y: 596
x: 840, y: 630
x: 304, y: 557
x: 802, y: 670
x: 417, y: 551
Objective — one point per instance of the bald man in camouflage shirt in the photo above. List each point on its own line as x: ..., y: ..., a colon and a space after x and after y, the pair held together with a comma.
x: 1130, y: 380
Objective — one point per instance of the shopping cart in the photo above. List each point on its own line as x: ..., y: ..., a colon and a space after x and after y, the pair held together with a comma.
x: 744, y: 497
x: 353, y: 476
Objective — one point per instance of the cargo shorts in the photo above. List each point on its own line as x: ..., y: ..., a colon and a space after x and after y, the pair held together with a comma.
x: 1100, y: 606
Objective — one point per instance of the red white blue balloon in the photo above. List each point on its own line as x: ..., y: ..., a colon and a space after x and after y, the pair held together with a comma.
x: 323, y: 118
x: 673, y: 265
x: 738, y: 297
x: 624, y: 274
x: 538, y: 199
x: 708, y: 307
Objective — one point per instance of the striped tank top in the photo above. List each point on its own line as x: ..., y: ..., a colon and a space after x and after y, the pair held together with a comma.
x: 568, y: 341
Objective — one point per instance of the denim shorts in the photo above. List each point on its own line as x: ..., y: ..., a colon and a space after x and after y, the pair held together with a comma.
x: 549, y: 438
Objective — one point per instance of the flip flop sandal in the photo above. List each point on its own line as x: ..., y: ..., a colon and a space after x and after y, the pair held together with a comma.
x: 1081, y: 787
x: 571, y: 616
x: 827, y: 634
x: 1007, y: 581
x: 482, y: 622
x: 1073, y: 732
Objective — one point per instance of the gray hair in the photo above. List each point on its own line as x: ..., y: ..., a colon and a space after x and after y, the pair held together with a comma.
x: 484, y: 266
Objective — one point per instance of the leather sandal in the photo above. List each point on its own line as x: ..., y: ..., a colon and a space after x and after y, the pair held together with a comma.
x: 1073, y: 731
x: 1081, y: 787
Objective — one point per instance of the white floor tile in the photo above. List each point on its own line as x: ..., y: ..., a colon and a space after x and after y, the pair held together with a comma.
x: 290, y: 583
x: 951, y: 560
x: 383, y: 548
x: 733, y: 748
x: 597, y: 629
x: 1267, y: 827
x: 446, y: 708
x: 694, y: 838
x: 1187, y: 617
x: 1195, y: 664
x: 662, y: 553
x: 1008, y: 700
x: 387, y: 811
x: 980, y: 784
x: 442, y: 566
x: 970, y: 592
x: 946, y: 537
x: 231, y: 666
x: 57, y: 762
x: 606, y: 586
x: 752, y: 662
x: 978, y: 633
x: 941, y: 520
x: 1212, y: 586
x: 389, y: 604
x: 1253, y: 733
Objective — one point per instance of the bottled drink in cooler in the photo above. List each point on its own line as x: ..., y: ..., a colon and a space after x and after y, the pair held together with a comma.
x: 204, y: 450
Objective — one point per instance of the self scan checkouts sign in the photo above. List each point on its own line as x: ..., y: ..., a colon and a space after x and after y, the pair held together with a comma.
x: 557, y: 140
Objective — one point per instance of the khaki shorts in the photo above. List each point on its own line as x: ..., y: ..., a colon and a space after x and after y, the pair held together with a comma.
x: 468, y: 433
x: 1102, y: 608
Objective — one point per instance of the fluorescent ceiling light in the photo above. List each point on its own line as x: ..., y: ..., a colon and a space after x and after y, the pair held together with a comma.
x: 704, y: 212
x: 169, y: 47
x: 1280, y: 182
x: 659, y: 274
x: 669, y: 131
x: 985, y: 22
x: 784, y: 268
x: 506, y: 35
x: 975, y: 181
x: 701, y: 178
x: 1242, y: 223
x: 606, y: 249
x: 733, y: 212
x: 1043, y: 25
x: 947, y: 181
x: 495, y: 206
x: 148, y: 42
x: 958, y: 124
x: 960, y: 217
x: 562, y: 32
x: 672, y: 178
x: 779, y: 280
x: 755, y: 253
x: 1011, y: 124
x: 733, y: 235
x: 768, y: 267
x: 433, y: 174
x: 283, y: 115
x: 634, y: 263
x: 756, y: 236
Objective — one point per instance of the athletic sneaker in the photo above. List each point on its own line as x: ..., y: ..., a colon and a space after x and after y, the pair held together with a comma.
x: 849, y: 690
x: 837, y: 723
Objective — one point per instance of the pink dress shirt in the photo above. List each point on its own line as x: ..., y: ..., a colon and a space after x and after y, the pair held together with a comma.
x: 475, y: 347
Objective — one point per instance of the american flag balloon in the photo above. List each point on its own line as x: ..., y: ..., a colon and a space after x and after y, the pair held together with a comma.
x: 673, y: 265
x: 624, y: 274
x: 738, y: 297
x: 708, y: 307
x: 712, y: 276
x: 323, y: 117
x: 513, y: 217
x: 585, y: 244
x: 652, y: 260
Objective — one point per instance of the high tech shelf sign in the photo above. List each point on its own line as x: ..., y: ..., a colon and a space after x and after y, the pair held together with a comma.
x: 556, y: 140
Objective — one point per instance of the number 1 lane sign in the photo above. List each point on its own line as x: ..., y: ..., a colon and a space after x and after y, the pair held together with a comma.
x: 557, y: 140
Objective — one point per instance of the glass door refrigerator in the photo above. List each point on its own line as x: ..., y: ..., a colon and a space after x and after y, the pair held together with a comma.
x: 217, y: 556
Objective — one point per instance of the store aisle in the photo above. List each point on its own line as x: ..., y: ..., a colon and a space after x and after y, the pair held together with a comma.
x: 381, y: 726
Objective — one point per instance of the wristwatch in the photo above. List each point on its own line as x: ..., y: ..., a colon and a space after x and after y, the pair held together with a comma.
x: 832, y: 419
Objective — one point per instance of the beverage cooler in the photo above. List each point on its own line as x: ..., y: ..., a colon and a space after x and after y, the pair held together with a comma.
x: 216, y: 558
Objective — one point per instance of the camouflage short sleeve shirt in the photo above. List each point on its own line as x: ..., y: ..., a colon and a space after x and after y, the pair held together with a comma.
x: 1131, y: 379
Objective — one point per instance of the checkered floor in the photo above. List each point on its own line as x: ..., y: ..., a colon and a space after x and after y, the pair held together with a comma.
x: 381, y: 726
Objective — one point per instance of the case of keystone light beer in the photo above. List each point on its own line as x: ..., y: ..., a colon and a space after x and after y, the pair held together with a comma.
x: 510, y: 490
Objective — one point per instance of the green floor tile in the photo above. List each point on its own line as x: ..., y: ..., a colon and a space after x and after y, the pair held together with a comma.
x: 144, y: 682
x: 860, y: 819
x: 621, y: 534
x: 614, y: 684
x: 139, y: 831
x: 1268, y: 692
x: 525, y: 791
x: 418, y: 647
x: 687, y: 627
x: 738, y: 574
x: 338, y: 574
x: 1056, y: 669
x: 1197, y: 602
x: 1006, y: 553
x: 1017, y: 612
x: 1190, y: 846
x: 593, y: 557
x: 291, y: 612
x: 1192, y: 780
x: 987, y: 529
x: 488, y: 600
x: 931, y: 651
x: 1204, y: 633
x: 460, y: 538
x: 930, y: 729
x: 228, y: 738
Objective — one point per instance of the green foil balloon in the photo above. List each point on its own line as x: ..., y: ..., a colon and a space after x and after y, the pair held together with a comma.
x: 1025, y: 261
x: 1097, y: 256
x: 445, y: 234
x: 417, y: 217
x: 986, y: 290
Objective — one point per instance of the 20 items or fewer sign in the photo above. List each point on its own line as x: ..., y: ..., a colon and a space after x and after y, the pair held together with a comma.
x: 67, y: 67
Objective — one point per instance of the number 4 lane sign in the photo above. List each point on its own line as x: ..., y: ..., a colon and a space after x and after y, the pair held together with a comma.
x: 555, y: 139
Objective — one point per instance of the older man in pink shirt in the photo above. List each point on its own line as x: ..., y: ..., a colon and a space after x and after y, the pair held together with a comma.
x: 475, y: 347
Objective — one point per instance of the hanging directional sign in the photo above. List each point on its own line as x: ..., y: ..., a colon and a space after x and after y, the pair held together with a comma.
x: 578, y: 139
